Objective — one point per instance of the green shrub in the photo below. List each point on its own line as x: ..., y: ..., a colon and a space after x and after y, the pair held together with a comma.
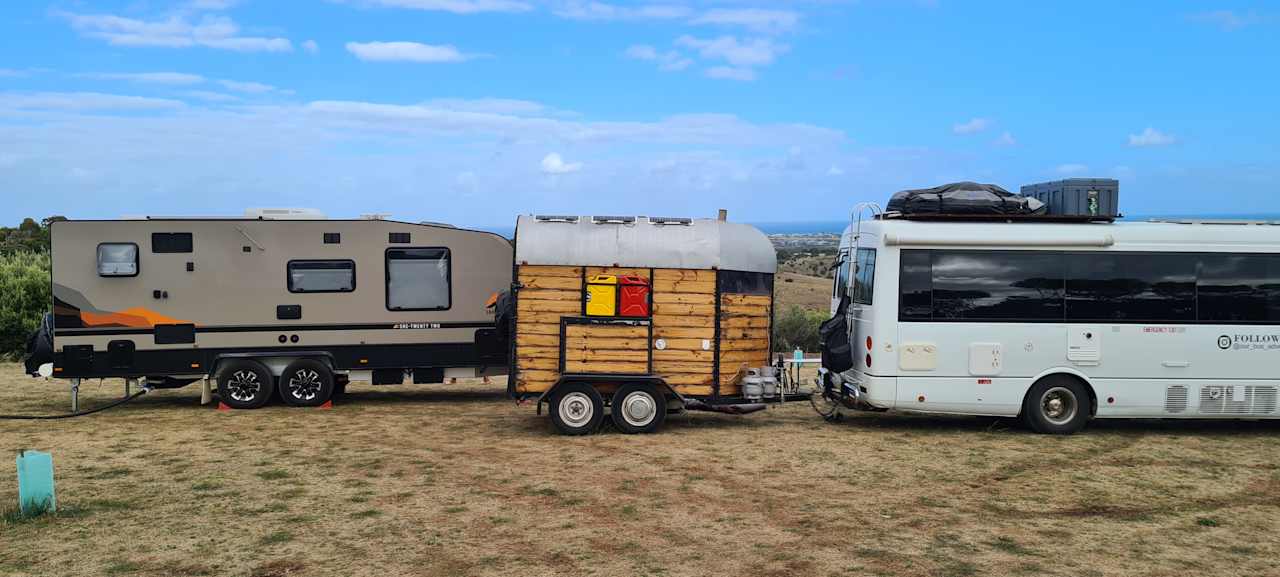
x: 797, y: 327
x: 24, y: 298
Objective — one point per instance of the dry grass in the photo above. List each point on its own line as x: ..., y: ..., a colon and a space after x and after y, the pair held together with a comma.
x: 456, y: 480
x: 810, y: 292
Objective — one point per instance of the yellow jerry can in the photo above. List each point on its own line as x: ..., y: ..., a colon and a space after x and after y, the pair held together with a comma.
x: 602, y: 295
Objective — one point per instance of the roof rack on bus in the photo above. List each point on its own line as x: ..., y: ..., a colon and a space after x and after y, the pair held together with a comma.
x: 1049, y: 218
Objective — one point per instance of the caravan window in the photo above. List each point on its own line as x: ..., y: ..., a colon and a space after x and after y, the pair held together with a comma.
x: 118, y: 259
x: 171, y: 242
x: 418, y: 279
x: 842, y: 277
x: 322, y: 276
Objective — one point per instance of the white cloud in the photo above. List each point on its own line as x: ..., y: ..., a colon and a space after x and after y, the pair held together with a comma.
x: 755, y: 52
x: 670, y: 60
x: 83, y: 101
x: 1227, y: 20
x: 169, y: 78
x: 456, y: 6
x: 406, y: 52
x: 175, y: 31
x: 212, y: 5
x: 1071, y: 168
x: 973, y: 126
x: 553, y: 164
x: 11, y: 73
x: 211, y: 96
x: 835, y: 171
x: 489, y: 106
x: 1006, y: 139
x: 580, y: 10
x: 755, y: 19
x: 1151, y: 137
x: 731, y: 73
x: 247, y: 87
x: 311, y: 46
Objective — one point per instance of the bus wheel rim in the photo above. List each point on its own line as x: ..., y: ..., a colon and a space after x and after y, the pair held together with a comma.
x: 1059, y: 405
x: 244, y: 385
x: 576, y: 409
x: 638, y: 408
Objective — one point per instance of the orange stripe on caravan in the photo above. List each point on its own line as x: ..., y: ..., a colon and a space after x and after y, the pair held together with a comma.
x: 134, y: 317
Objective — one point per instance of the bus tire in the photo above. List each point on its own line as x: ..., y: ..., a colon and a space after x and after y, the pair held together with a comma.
x: 306, y: 383
x: 244, y: 384
x: 577, y: 409
x: 638, y: 408
x: 1057, y: 405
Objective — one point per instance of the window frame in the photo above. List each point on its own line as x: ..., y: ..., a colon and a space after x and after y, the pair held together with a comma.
x: 386, y: 267
x: 840, y: 277
x: 137, y: 260
x: 288, y: 274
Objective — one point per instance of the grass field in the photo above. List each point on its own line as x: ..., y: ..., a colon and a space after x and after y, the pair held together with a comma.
x: 457, y: 480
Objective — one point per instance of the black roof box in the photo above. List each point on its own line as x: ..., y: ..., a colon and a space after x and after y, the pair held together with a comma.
x: 964, y: 199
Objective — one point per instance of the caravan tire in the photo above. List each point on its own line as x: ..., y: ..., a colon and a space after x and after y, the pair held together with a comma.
x: 306, y: 383
x: 244, y: 384
x: 577, y: 409
x: 638, y: 408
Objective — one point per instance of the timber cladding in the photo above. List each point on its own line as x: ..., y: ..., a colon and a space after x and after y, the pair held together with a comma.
x: 684, y: 319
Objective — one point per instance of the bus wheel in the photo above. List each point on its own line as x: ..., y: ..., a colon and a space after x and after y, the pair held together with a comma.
x: 306, y: 383
x: 244, y: 384
x: 638, y: 408
x: 1056, y: 405
x: 576, y: 409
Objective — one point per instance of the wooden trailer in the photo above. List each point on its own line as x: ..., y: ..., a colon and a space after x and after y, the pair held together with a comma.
x: 641, y: 317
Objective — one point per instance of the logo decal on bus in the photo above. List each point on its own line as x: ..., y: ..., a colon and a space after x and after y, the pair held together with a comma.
x: 1269, y: 342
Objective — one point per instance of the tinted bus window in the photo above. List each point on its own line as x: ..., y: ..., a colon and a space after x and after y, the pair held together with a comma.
x: 1240, y: 288
x: 916, y: 285
x: 1152, y: 287
x: 1010, y: 285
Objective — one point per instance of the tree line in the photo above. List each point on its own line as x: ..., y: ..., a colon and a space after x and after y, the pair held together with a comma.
x: 24, y: 282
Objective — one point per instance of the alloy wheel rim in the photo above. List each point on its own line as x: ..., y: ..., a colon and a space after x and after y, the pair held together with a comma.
x: 304, y: 384
x: 244, y: 385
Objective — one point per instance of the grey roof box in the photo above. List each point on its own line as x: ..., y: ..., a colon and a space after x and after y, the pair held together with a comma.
x: 643, y: 242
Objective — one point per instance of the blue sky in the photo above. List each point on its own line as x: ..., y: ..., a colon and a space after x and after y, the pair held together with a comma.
x: 471, y: 111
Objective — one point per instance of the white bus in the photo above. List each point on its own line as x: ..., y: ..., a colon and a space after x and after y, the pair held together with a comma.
x: 1058, y: 323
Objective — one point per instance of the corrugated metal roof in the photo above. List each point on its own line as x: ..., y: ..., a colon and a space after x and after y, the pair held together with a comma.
x: 643, y: 242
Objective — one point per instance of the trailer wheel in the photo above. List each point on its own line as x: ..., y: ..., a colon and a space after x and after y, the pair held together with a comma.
x: 244, y: 384
x: 638, y: 408
x: 306, y: 383
x: 577, y: 409
x: 1056, y: 405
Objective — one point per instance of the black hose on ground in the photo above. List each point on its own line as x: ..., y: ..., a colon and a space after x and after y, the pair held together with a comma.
x: 78, y: 414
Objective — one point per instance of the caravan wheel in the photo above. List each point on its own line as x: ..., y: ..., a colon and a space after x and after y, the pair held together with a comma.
x: 306, y: 383
x: 244, y: 384
x: 577, y: 409
x: 638, y: 408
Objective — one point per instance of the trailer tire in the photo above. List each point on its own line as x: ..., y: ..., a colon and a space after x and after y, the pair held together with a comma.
x: 244, y: 384
x: 306, y: 383
x: 638, y: 408
x: 1056, y: 405
x: 577, y: 409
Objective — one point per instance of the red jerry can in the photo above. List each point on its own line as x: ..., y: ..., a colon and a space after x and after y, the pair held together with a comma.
x: 633, y: 296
